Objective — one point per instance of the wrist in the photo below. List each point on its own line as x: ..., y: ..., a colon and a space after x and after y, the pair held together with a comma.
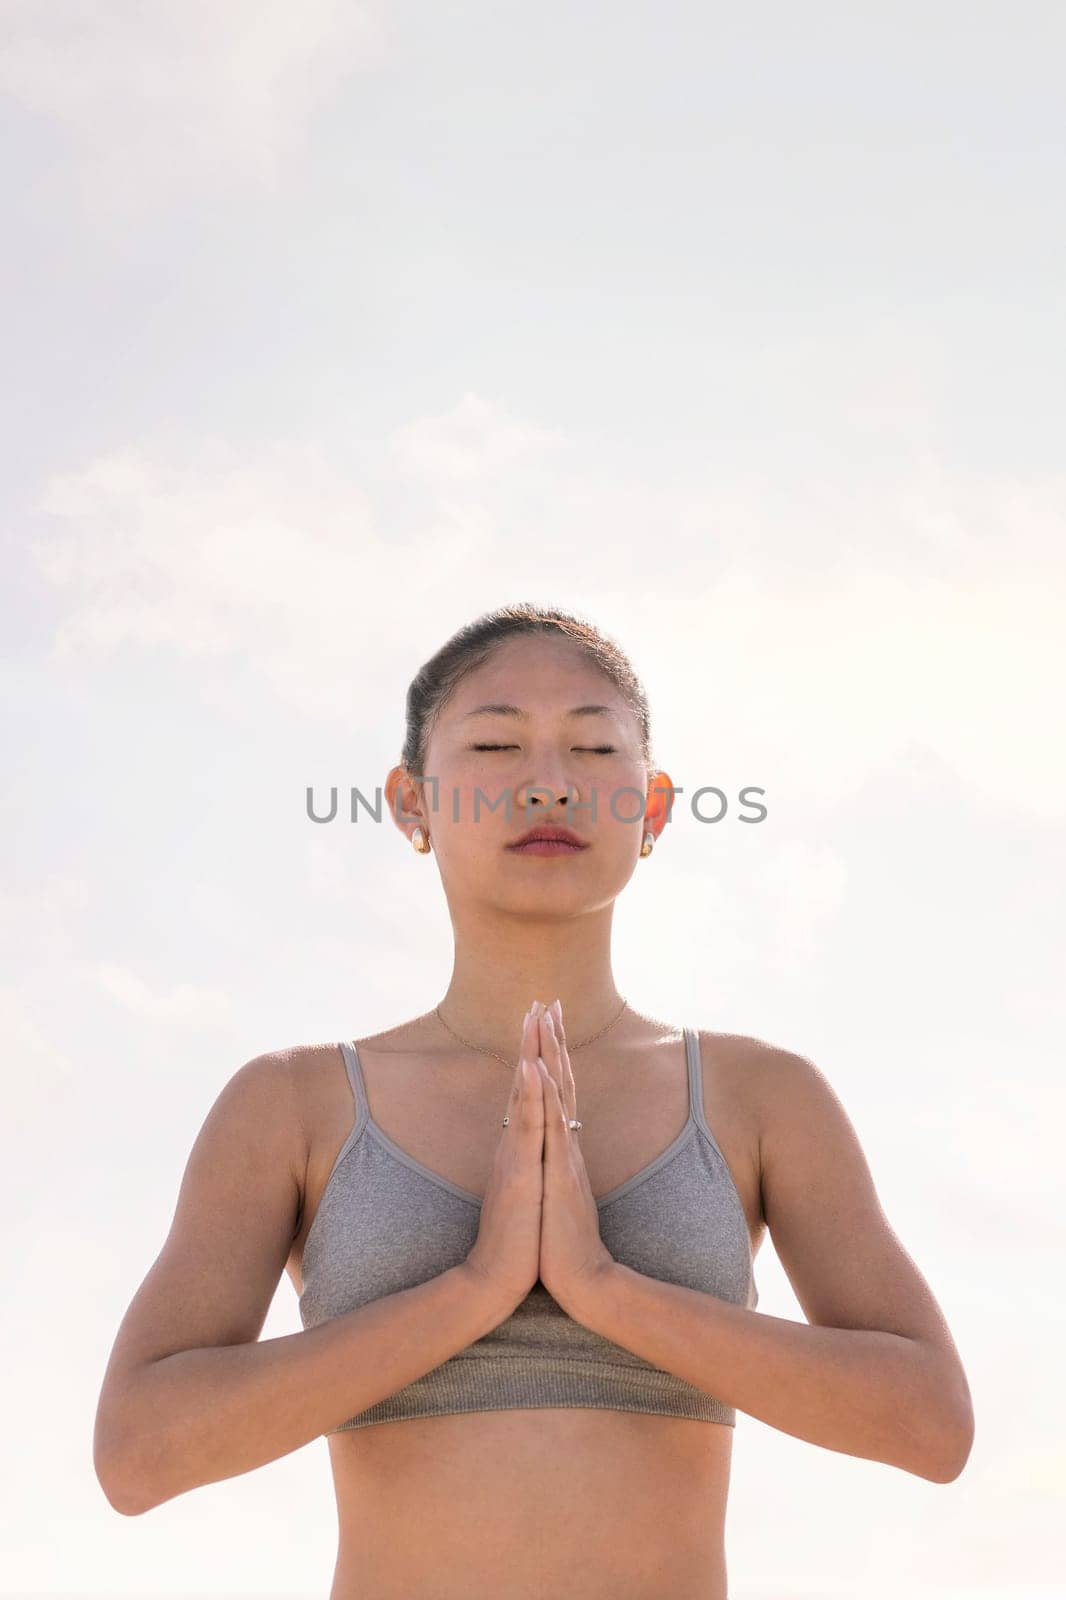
x: 483, y: 1292
x: 586, y: 1301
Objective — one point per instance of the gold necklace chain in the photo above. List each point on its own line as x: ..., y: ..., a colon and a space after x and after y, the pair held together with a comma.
x: 510, y: 1064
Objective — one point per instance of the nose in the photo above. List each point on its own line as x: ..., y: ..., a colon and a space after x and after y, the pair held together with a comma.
x: 545, y: 795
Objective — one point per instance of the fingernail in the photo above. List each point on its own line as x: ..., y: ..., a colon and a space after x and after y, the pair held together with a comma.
x: 556, y: 1006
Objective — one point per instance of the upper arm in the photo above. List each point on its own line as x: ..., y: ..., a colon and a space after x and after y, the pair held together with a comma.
x: 237, y: 1212
x: 845, y: 1263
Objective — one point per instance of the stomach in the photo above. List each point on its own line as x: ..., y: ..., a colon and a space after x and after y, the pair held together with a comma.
x: 530, y: 1504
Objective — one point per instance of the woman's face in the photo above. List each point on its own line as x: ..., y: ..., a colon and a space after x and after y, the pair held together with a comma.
x: 499, y: 773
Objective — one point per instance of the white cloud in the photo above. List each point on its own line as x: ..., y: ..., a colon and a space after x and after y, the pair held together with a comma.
x: 40, y: 1082
x: 802, y: 886
x: 841, y: 671
x: 42, y: 921
x: 187, y: 1004
x: 156, y: 97
x: 472, y: 439
x: 34, y: 1064
x: 275, y: 559
x: 845, y: 674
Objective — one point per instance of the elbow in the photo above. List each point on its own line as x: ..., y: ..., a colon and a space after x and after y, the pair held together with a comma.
x: 126, y: 1508
x: 954, y: 1454
x: 118, y: 1493
x: 948, y: 1448
x: 939, y: 1420
x: 123, y: 1485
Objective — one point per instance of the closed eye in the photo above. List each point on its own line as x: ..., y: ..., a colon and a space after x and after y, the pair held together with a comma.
x: 599, y: 749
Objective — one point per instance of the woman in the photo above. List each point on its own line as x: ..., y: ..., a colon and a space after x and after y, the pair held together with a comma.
x: 522, y: 1225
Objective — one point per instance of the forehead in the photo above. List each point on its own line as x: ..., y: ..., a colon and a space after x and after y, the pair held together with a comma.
x: 535, y: 673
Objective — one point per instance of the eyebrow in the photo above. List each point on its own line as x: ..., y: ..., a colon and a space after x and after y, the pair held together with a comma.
x: 500, y: 709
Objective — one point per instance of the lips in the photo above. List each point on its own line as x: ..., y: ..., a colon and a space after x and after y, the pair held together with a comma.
x: 560, y: 838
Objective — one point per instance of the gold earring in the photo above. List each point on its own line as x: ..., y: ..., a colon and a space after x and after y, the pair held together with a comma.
x: 649, y: 844
x: 420, y: 840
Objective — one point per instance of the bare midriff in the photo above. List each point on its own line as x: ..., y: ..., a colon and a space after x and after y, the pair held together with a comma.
x: 538, y: 1502
x: 532, y: 1505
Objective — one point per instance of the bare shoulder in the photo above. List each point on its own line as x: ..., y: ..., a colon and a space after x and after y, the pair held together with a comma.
x: 310, y: 1081
x: 267, y: 1085
x: 750, y: 1069
x: 308, y: 1076
x: 781, y: 1101
x: 779, y: 1087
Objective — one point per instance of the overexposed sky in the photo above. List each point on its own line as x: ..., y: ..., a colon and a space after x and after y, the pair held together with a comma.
x: 739, y: 331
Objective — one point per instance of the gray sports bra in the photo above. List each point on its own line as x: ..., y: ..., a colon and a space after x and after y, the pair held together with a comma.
x: 386, y: 1223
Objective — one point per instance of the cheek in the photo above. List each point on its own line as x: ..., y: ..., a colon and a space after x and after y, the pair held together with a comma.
x: 620, y: 802
x: 473, y: 817
x: 470, y: 796
x: 618, y: 835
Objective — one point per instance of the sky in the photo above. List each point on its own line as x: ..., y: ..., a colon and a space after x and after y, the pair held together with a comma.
x: 737, y: 330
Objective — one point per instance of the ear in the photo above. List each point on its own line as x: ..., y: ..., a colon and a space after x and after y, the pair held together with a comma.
x: 406, y: 801
x: 661, y: 796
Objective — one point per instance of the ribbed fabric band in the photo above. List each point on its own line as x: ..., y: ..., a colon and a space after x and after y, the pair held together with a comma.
x: 466, y: 1383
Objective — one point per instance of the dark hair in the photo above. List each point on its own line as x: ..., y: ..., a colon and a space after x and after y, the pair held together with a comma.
x: 437, y: 678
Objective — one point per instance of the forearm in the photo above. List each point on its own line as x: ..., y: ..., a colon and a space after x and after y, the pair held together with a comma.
x: 863, y: 1392
x: 201, y: 1415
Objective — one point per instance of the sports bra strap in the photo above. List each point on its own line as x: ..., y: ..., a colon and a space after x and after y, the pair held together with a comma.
x: 354, y: 1069
x: 695, y: 1086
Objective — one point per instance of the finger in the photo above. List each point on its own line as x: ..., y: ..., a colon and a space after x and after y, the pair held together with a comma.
x: 555, y: 1129
x: 531, y: 1106
x: 550, y: 1051
x: 518, y: 1083
x: 564, y: 1075
x: 543, y: 1038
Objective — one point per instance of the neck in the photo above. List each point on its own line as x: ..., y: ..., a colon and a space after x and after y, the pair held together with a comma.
x: 499, y: 969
